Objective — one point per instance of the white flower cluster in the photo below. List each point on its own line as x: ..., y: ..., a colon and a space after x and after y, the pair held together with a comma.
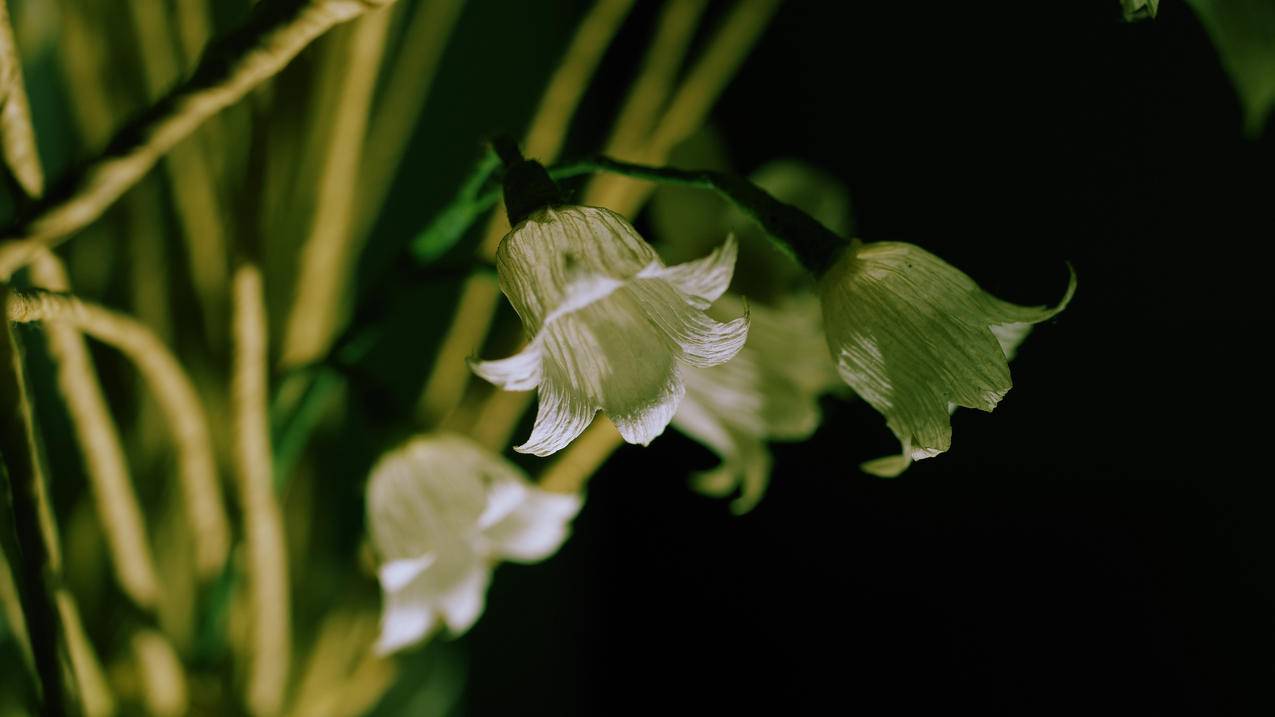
x: 611, y: 328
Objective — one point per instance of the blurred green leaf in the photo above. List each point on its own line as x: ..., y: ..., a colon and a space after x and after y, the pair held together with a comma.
x: 1244, y: 33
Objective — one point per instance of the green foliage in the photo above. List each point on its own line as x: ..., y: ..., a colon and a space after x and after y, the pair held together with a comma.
x: 1244, y: 33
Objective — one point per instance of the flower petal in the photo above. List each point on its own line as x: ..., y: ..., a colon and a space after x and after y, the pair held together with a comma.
x: 520, y: 372
x: 461, y: 593
x: 536, y: 528
x: 912, y: 336
x: 396, y: 574
x: 703, y: 280
x: 701, y: 340
x: 539, y: 258
x: 642, y: 419
x: 407, y: 617
x: 561, y: 416
x: 424, y: 492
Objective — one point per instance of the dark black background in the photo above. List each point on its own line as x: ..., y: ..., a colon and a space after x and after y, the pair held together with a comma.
x: 1102, y: 543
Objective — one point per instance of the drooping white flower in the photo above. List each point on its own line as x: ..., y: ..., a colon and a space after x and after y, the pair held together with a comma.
x: 611, y: 326
x: 915, y: 337
x: 441, y: 511
x: 769, y: 391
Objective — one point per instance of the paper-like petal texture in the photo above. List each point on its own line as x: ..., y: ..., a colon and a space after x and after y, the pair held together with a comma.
x: 611, y: 328
x: 769, y: 391
x: 913, y: 336
x: 441, y: 511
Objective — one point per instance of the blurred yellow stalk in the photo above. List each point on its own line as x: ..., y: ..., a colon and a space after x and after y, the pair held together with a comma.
x: 17, y: 140
x: 261, y: 50
x: 270, y: 641
x: 190, y: 178
x: 163, y: 679
x: 408, y: 80
x: 571, y: 469
x: 104, y: 463
x: 330, y: 251
x: 177, y: 399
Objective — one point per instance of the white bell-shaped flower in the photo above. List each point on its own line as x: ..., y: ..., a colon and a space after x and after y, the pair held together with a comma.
x: 442, y: 510
x: 611, y: 326
x: 915, y: 337
x: 769, y: 391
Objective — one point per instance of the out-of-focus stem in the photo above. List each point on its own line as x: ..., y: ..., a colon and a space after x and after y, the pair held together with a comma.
x: 696, y: 95
x: 573, y: 467
x: 342, y: 676
x: 270, y: 641
x: 449, y: 375
x: 12, y: 606
x: 654, y: 82
x: 235, y: 65
x: 17, y: 138
x: 104, y: 462
x: 498, y: 416
x: 33, y: 542
x: 176, y: 396
x: 94, y: 691
x: 190, y: 178
x: 328, y: 255
x: 409, y: 77
x: 163, y: 680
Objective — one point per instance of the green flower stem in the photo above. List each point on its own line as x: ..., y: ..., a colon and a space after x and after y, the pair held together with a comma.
x: 792, y: 230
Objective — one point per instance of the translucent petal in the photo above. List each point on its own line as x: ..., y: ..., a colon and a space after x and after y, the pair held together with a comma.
x: 421, y: 494
x: 561, y: 416
x: 536, y: 528
x: 538, y: 260
x: 700, y: 339
x: 461, y: 591
x: 611, y: 324
x: 520, y: 372
x: 407, y: 617
x: 609, y: 356
x: 887, y: 466
x: 912, y: 335
x: 1010, y: 337
x: 769, y: 391
x: 396, y: 574
x: 703, y: 280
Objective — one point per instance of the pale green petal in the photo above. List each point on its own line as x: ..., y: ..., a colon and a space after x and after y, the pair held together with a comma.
x: 695, y: 337
x: 520, y: 372
x: 886, y: 466
x: 536, y: 528
x: 406, y: 619
x: 769, y: 391
x: 541, y: 259
x: 703, y: 279
x: 912, y: 336
x: 611, y: 326
x: 422, y: 494
x: 1010, y: 337
x: 458, y: 589
x: 562, y: 415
